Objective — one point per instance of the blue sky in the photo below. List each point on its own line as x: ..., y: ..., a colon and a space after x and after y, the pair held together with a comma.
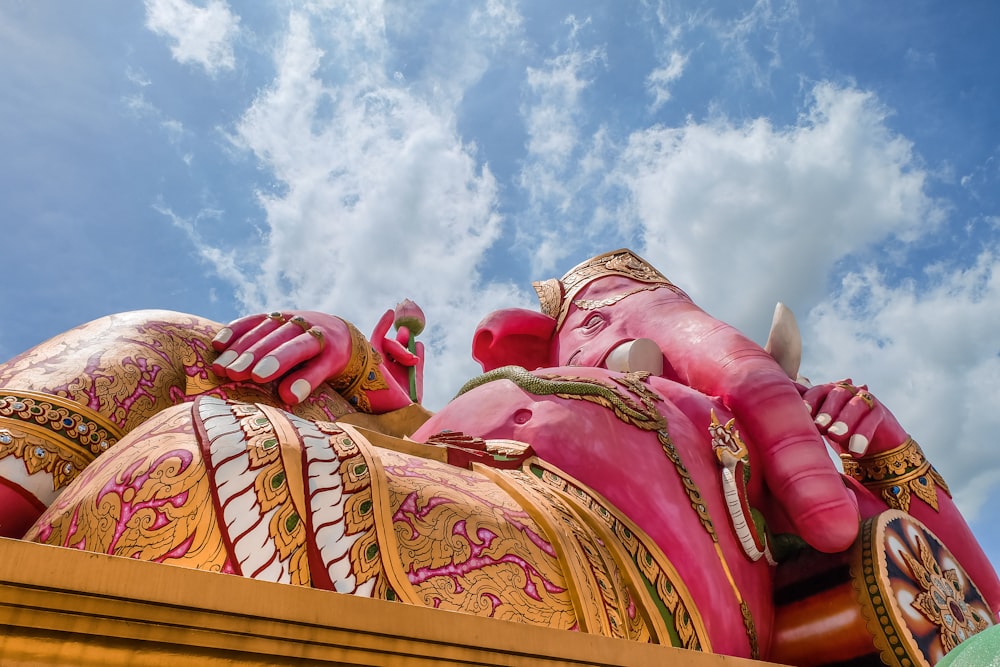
x: 222, y: 159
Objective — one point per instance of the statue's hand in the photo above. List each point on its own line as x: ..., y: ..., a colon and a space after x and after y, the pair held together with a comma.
x: 396, y: 358
x: 853, y: 419
x: 298, y: 349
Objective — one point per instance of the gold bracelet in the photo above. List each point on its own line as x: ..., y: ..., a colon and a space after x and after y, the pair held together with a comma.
x: 896, y: 474
x: 362, y: 372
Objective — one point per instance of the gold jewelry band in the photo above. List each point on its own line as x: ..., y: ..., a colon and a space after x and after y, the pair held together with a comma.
x: 897, y: 475
x: 362, y: 372
x: 318, y: 335
x: 53, y: 433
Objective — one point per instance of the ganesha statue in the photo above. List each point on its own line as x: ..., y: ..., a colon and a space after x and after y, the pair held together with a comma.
x: 627, y: 465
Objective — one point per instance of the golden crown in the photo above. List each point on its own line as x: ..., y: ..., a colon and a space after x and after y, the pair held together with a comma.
x: 556, y: 295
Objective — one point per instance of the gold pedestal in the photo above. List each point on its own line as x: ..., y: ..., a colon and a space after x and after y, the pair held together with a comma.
x: 65, y: 607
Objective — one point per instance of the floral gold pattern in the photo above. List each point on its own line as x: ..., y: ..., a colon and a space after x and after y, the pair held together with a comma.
x: 673, y: 601
x: 465, y: 545
x: 351, y: 494
x: 917, y: 600
x: 52, y: 434
x: 897, y: 474
x: 602, y: 606
x: 942, y: 600
x: 362, y: 372
x: 285, y: 525
x: 128, y: 367
x: 150, y: 501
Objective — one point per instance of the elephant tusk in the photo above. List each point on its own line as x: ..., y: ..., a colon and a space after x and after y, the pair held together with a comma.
x: 784, y: 343
x: 641, y: 354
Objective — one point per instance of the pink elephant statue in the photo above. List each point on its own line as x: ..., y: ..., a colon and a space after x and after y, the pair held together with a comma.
x: 627, y: 465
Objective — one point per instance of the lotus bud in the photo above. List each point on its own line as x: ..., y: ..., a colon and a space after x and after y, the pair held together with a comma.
x: 409, y: 315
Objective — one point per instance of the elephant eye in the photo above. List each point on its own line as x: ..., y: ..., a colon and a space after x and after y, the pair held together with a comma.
x: 593, y: 323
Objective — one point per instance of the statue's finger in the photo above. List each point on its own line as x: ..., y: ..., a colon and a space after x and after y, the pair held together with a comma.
x: 846, y: 421
x: 838, y: 397
x: 235, y: 363
x: 813, y: 397
x: 397, y: 351
x: 236, y: 329
x: 864, y: 433
x: 282, y: 351
x: 382, y: 328
x: 298, y: 385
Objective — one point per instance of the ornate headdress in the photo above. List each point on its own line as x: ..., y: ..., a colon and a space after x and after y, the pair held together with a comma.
x: 556, y: 295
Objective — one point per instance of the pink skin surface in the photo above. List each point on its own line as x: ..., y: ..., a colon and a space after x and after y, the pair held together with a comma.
x: 714, y: 358
x: 263, y: 349
x: 629, y: 468
x: 879, y: 427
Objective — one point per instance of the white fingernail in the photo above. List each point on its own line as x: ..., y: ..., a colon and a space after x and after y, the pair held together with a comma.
x: 267, y: 367
x: 225, y: 333
x: 858, y: 444
x: 823, y: 419
x: 837, y: 428
x: 301, y: 389
x: 226, y: 358
x: 242, y: 362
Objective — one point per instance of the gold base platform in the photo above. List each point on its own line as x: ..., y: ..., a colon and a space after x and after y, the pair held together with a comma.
x: 67, y: 607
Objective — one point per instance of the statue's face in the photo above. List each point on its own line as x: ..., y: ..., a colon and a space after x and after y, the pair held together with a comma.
x: 610, y: 312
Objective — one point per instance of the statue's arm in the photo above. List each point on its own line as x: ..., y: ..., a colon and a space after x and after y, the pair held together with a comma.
x: 891, y: 471
x: 300, y: 350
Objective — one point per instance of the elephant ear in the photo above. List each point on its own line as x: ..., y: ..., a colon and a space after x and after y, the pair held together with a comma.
x: 514, y: 336
x: 784, y: 343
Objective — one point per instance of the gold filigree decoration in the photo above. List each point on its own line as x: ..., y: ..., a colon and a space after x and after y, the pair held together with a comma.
x: 359, y: 512
x: 286, y: 527
x: 150, y: 501
x: 467, y: 546
x: 52, y: 434
x: 362, y: 373
x: 556, y: 296
x: 588, y: 563
x: 44, y: 454
x: 942, y: 601
x: 66, y: 418
x: 592, y: 304
x: 130, y: 366
x: 897, y: 474
x: 675, y: 603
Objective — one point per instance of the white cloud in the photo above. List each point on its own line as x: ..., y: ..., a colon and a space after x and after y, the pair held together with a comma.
x: 659, y: 80
x: 931, y: 351
x: 137, y: 76
x: 745, y: 215
x: 559, y: 161
x: 754, y: 39
x: 380, y: 199
x: 201, y: 35
x: 748, y: 41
